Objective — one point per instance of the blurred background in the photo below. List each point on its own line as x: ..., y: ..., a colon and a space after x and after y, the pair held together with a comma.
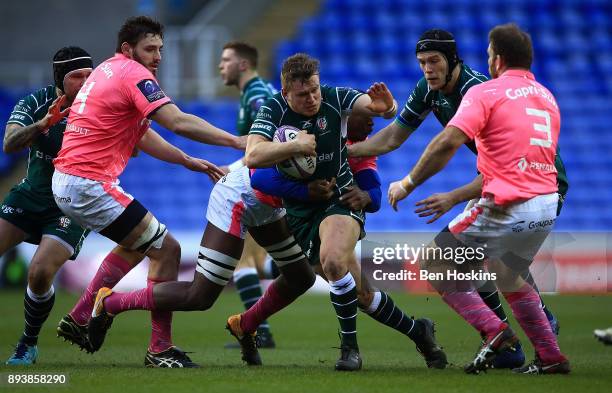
x: 358, y: 42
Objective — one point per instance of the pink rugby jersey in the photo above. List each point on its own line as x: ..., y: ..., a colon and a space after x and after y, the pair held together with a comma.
x: 108, y: 118
x: 515, y: 123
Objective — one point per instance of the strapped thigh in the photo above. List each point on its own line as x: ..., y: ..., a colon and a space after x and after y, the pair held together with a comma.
x: 285, y: 252
x: 215, y: 266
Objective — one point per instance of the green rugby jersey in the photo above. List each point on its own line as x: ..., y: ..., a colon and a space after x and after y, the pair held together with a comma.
x: 255, y: 93
x: 423, y: 100
x: 329, y: 128
x: 45, y: 146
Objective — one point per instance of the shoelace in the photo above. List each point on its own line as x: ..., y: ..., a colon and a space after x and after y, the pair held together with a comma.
x: 180, y: 354
x: 20, y: 351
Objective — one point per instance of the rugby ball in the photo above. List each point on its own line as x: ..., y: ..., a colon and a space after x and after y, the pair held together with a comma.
x: 297, y: 167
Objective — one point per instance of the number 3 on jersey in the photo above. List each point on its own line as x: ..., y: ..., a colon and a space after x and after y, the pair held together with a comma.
x: 540, y: 127
x: 83, y: 94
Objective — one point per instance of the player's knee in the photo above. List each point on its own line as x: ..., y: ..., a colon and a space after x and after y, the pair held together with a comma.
x: 333, y: 268
x: 40, y: 277
x: 305, y: 283
x: 172, y: 251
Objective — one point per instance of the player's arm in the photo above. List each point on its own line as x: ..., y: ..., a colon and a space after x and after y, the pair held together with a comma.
x: 438, y: 204
x: 384, y: 141
x: 18, y: 136
x: 377, y: 102
x: 263, y: 153
x: 194, y: 128
x: 434, y: 158
x: 272, y: 182
x: 154, y: 145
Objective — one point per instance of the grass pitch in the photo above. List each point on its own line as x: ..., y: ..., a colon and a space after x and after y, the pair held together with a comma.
x: 304, y: 360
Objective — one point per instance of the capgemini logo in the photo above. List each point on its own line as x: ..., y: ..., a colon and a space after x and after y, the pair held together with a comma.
x: 522, y: 164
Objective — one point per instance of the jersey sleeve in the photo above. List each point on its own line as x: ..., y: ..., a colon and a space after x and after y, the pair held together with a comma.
x: 267, y: 119
x: 24, y: 112
x: 472, y: 115
x: 346, y: 98
x: 144, y: 91
x: 416, y: 108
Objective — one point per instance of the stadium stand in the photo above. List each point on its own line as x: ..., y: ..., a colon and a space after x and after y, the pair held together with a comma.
x: 359, y: 43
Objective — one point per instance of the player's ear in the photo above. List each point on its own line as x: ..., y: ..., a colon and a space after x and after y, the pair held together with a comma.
x: 126, y: 50
x: 244, y: 65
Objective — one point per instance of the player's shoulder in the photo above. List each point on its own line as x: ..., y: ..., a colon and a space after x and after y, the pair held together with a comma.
x: 128, y: 69
x: 339, y: 96
x: 469, y: 78
x: 259, y: 87
x: 272, y: 108
x: 276, y: 103
x: 40, y: 99
x: 421, y: 92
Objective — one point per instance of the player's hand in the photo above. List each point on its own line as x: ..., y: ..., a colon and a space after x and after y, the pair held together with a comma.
x: 396, y: 193
x: 225, y: 169
x: 382, y: 99
x: 356, y: 198
x: 436, y: 205
x: 321, y: 190
x: 54, y: 114
x: 306, y: 143
x: 203, y: 166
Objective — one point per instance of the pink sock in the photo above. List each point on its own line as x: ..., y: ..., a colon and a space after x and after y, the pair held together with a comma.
x: 161, y: 325
x: 527, y: 310
x: 271, y: 302
x: 474, y: 310
x: 141, y: 299
x: 112, y: 269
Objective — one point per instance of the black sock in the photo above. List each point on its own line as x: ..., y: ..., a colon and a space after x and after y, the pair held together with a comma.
x: 343, y: 294
x: 489, y: 294
x: 384, y: 310
x: 529, y: 279
x: 36, y: 311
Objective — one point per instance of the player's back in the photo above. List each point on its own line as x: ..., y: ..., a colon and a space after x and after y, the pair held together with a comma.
x: 518, y: 121
x: 108, y: 118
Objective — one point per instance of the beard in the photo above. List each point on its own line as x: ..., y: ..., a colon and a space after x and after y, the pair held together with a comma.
x: 141, y: 61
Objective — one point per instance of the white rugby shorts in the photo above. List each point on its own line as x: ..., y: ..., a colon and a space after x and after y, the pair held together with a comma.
x: 92, y: 204
x: 518, y: 229
x: 233, y: 206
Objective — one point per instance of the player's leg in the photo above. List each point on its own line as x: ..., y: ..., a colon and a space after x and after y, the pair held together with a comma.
x: 489, y: 293
x: 10, y: 235
x: 39, y: 298
x: 73, y: 326
x: 525, y: 303
x: 552, y: 320
x: 463, y: 297
x: 221, y: 247
x: 339, y: 235
x: 296, y: 275
x: 380, y: 306
x: 219, y: 253
x: 108, y: 210
x: 517, y: 253
x: 248, y: 285
x: 218, y: 256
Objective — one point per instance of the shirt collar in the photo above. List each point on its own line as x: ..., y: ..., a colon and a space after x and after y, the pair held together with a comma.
x: 516, y: 72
